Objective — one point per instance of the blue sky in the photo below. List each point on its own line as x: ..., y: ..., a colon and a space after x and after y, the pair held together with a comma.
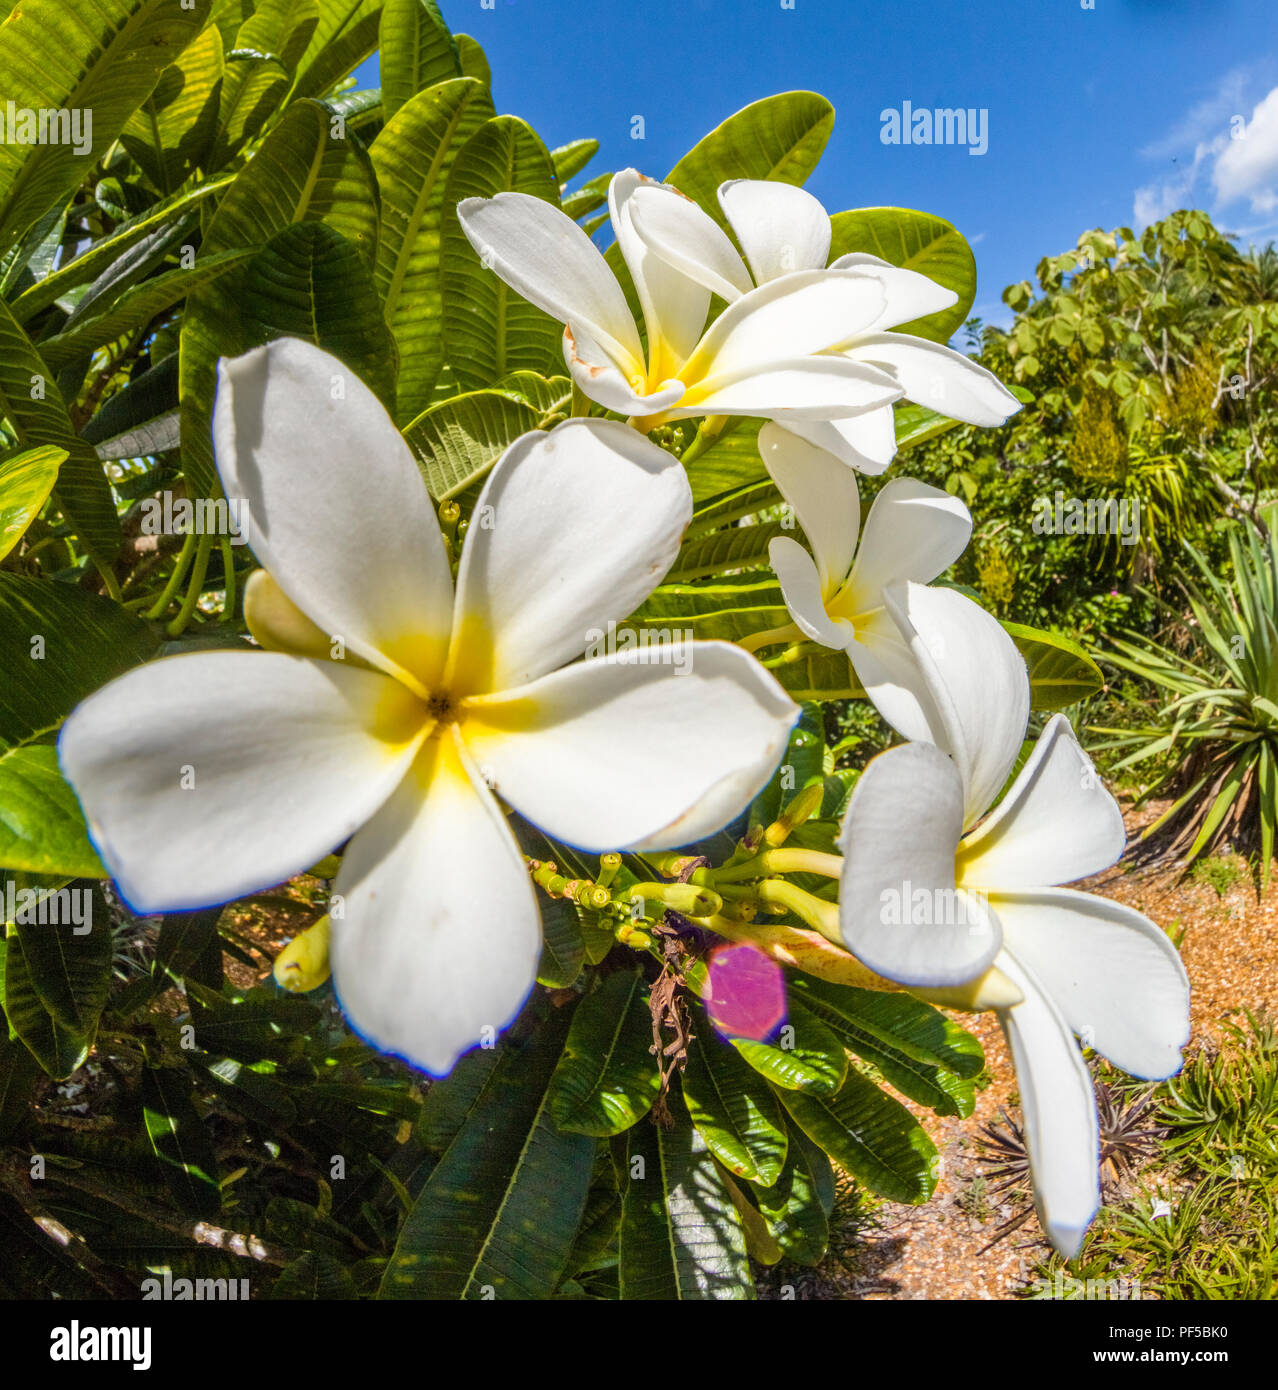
x: 1111, y: 115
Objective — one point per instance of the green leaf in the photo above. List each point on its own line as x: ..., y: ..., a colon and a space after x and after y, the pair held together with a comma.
x: 69, y: 963
x: 916, y: 424
x: 417, y: 51
x: 26, y: 479
x: 871, y: 1135
x: 412, y: 157
x: 58, y: 1049
x: 345, y: 36
x: 923, y: 1082
x: 733, y: 548
x: 314, y: 1277
x: 142, y: 418
x: 737, y: 1114
x: 473, y: 62
x: 180, y: 1140
x: 42, y: 828
x: 1060, y: 671
x: 563, y: 946
x: 489, y: 329
x: 58, y: 644
x: 499, y: 1214
x: 607, y: 1078
x: 38, y: 416
x: 570, y: 159
x: 902, y: 1022
x: 458, y: 440
x: 259, y: 71
x: 917, y: 241
x: 299, y: 173
x: 450, y: 1100
x: 171, y: 134
x: 136, y: 308
x: 802, y: 762
x: 107, y: 251
x: 805, y: 1055
x: 18, y: 1071
x: 780, y: 137
x: 730, y: 463
x: 681, y: 1236
x: 793, y: 1210
x: 110, y: 54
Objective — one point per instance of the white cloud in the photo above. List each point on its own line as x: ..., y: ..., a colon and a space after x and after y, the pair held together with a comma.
x: 1205, y: 119
x: 1248, y: 163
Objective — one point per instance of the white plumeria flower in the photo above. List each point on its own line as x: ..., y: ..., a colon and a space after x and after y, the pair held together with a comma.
x: 784, y: 230
x: 849, y: 596
x: 211, y: 775
x: 992, y: 918
x: 763, y: 355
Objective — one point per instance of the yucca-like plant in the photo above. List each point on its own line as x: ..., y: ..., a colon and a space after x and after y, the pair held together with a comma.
x: 1220, y: 713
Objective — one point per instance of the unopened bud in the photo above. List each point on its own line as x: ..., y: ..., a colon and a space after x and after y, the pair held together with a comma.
x: 807, y: 803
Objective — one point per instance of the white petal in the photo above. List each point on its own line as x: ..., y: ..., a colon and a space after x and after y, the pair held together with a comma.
x: 215, y: 774
x: 573, y: 529
x: 823, y: 496
x: 866, y: 441
x: 1059, y: 1108
x: 674, y: 306
x: 1116, y: 978
x: 892, y: 678
x: 339, y: 514
x: 781, y: 228
x: 977, y: 679
x: 542, y: 254
x: 939, y: 378
x: 1057, y: 822
x: 602, y: 382
x: 440, y: 935
x: 913, y: 532
x: 813, y: 388
x: 647, y: 748
x: 686, y: 237
x: 791, y: 317
x: 909, y: 295
x: 898, y: 839
x: 800, y: 582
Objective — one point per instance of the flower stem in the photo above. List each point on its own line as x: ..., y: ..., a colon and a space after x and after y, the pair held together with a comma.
x: 820, y: 916
x: 772, y: 637
x: 228, y: 568
x: 780, y: 861
x: 193, y: 588
x: 175, y: 579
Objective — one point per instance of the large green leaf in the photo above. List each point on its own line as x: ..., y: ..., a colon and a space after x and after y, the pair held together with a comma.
x: 18, y: 1071
x: 69, y: 964
x: 102, y: 57
x: 902, y: 1022
x: 917, y: 241
x: 42, y: 828
x: 136, y: 308
x: 180, y: 1139
x: 681, y: 1235
x: 489, y: 329
x: 37, y: 414
x: 412, y: 157
x: 1060, y: 671
x: 731, y: 462
x: 733, y: 548
x: 172, y: 132
x: 607, y: 1078
x: 345, y: 36
x: 59, y: 1050
x: 109, y: 251
x: 793, y: 1210
x: 931, y: 1085
x: 499, y: 1214
x: 260, y: 72
x: 459, y: 439
x: 417, y: 51
x: 58, y: 644
x: 871, y: 1135
x: 780, y: 137
x: 26, y: 479
x: 803, y: 1055
x: 737, y: 1114
x: 299, y: 173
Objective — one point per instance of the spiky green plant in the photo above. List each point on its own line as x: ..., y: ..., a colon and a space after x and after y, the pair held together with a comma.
x: 1219, y: 716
